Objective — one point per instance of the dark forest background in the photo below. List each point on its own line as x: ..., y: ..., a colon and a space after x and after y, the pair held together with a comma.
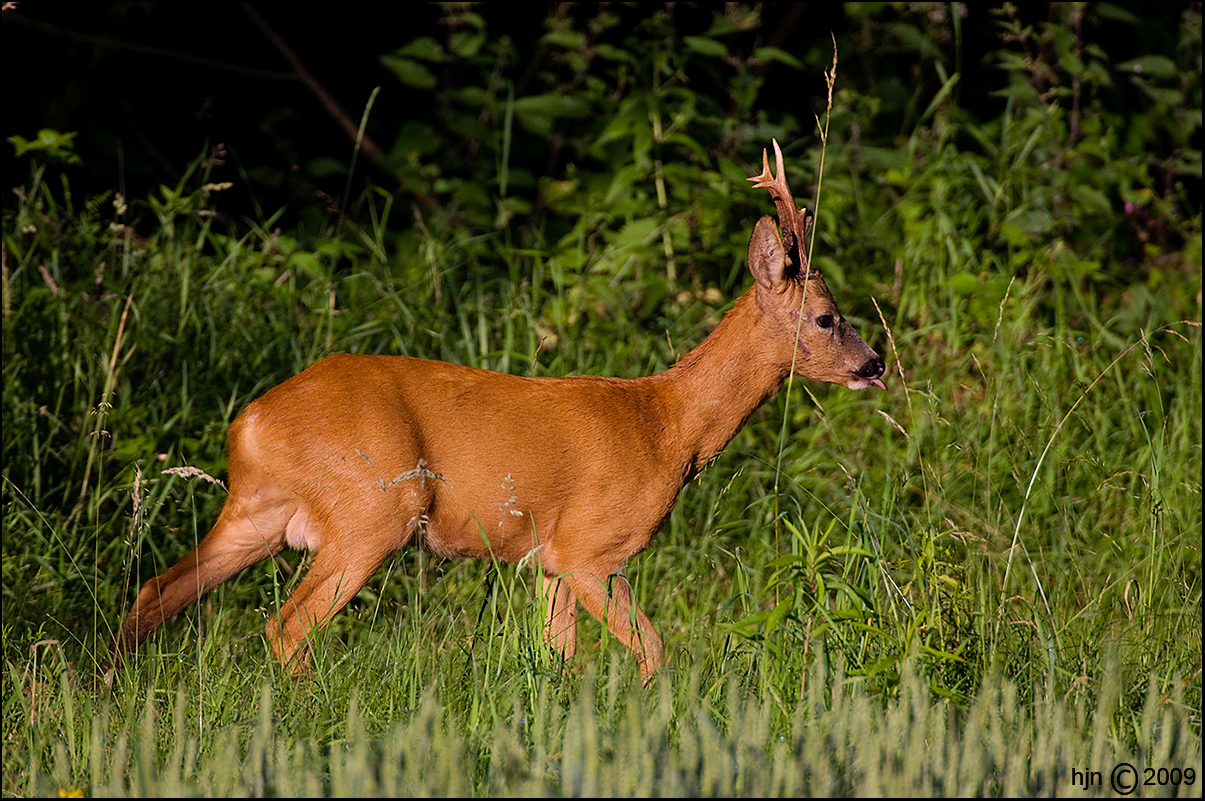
x: 147, y: 88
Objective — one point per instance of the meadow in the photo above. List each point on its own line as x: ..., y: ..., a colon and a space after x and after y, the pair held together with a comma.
x: 985, y: 580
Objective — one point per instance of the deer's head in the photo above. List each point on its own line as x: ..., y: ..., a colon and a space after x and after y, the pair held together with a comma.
x: 806, y: 327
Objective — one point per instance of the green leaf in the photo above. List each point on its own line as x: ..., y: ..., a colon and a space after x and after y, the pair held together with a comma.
x: 21, y: 144
x: 612, y: 53
x: 466, y: 44
x: 963, y: 284
x: 781, y: 56
x: 409, y: 72
x: 706, y: 46
x: 1151, y: 66
x: 777, y: 614
x: 551, y: 105
x: 1115, y: 12
x: 637, y: 232
x: 414, y: 140
x: 570, y: 40
x: 326, y: 167
x: 54, y: 144
x: 537, y: 112
x: 425, y: 48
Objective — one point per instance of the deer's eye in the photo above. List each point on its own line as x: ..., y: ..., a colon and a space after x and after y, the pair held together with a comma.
x: 825, y: 321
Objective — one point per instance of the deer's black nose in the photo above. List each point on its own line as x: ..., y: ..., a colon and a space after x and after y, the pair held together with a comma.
x: 872, y: 369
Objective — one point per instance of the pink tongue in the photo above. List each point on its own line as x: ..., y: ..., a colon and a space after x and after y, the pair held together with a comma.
x: 875, y: 382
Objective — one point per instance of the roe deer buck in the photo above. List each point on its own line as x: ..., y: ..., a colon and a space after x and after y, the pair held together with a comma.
x: 357, y: 455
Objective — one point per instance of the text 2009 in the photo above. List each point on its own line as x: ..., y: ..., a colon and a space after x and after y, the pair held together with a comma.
x: 1164, y: 776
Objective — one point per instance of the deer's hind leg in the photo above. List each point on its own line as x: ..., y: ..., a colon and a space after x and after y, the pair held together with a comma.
x: 348, y: 553
x: 247, y: 531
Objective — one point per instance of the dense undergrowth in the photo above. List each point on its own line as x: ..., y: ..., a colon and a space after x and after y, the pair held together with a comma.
x: 1008, y: 540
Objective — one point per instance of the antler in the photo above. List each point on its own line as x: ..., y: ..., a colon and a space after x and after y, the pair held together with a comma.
x: 795, y: 223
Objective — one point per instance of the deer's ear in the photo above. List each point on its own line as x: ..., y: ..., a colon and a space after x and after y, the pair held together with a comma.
x: 767, y: 259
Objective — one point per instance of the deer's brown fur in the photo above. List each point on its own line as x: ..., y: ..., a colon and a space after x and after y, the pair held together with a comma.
x: 359, y: 455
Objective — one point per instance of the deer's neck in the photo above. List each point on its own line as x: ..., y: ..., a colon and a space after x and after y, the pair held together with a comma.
x: 716, y: 386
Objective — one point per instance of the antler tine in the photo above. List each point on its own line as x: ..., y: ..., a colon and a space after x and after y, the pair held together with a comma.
x: 777, y: 186
x: 794, y: 223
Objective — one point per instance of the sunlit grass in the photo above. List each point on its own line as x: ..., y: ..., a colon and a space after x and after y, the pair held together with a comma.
x: 593, y: 735
x: 1000, y: 556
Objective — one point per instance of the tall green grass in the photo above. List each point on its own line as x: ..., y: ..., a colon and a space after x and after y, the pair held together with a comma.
x: 983, y: 580
x: 592, y: 736
x: 1007, y: 541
